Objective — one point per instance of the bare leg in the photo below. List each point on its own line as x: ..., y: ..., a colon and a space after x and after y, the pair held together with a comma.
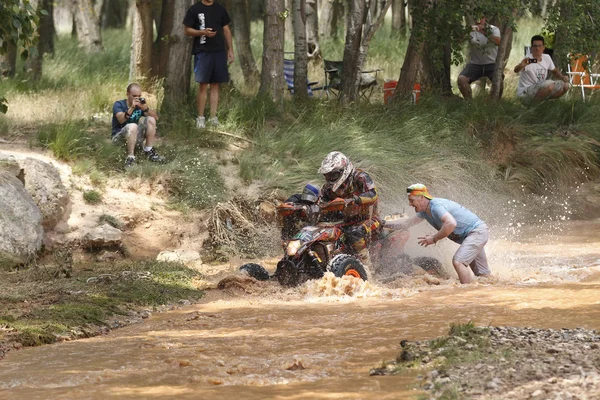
x: 131, y: 138
x: 201, y: 98
x: 150, y: 131
x: 214, y: 99
x: 561, y: 92
x: 464, y: 272
x: 464, y: 87
x: 544, y: 92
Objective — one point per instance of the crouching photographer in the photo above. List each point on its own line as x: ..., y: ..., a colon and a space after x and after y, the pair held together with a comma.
x: 135, y: 122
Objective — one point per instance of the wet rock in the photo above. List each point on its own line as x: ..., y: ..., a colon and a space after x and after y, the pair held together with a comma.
x: 297, y: 365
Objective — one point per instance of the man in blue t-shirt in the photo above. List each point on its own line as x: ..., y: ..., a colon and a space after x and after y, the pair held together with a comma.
x: 208, y: 23
x: 135, y: 122
x: 454, y: 222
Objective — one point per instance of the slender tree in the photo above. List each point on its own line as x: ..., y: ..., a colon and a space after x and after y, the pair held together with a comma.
x: 360, y: 28
x: 179, y: 65
x: 399, y: 18
x: 87, y: 25
x: 141, y: 43
x: 271, y: 79
x: 300, y: 55
x: 327, y: 19
x: 312, y: 28
x: 240, y: 15
x: 162, y: 44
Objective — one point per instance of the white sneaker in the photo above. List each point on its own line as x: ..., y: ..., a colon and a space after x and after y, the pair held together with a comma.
x: 214, y: 121
x: 200, y: 122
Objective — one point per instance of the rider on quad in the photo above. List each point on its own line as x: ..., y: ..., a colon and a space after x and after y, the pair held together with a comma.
x: 358, y: 190
x: 291, y: 224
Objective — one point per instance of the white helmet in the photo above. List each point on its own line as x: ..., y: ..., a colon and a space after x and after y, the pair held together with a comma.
x: 337, y: 168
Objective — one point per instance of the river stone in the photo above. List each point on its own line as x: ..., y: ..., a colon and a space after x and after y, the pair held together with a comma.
x: 21, y: 230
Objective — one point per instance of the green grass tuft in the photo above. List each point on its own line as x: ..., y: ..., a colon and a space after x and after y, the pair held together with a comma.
x: 92, y: 197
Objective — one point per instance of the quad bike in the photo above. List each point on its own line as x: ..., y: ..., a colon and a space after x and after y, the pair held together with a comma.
x: 319, y: 248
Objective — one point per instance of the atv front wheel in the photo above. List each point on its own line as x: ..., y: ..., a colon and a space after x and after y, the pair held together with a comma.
x: 255, y: 271
x: 287, y: 273
x: 345, y: 264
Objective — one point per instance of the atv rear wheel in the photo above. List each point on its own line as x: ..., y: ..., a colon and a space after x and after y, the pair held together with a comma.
x: 287, y: 273
x: 255, y: 271
x: 345, y: 264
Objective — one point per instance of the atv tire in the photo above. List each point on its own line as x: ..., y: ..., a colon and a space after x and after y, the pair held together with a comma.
x: 345, y: 264
x: 255, y: 271
x: 287, y: 273
x: 430, y: 265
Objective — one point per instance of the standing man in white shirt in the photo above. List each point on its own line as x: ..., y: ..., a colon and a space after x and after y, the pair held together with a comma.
x: 484, y: 41
x: 534, y: 84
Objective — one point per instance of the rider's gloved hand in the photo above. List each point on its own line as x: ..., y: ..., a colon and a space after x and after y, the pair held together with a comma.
x: 352, y: 201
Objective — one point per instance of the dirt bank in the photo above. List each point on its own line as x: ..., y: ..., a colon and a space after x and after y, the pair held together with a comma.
x: 504, y: 362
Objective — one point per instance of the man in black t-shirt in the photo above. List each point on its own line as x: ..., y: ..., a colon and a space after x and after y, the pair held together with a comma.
x: 208, y: 23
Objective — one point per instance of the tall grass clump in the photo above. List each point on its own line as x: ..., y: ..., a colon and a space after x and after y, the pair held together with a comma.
x: 67, y: 140
x: 195, y: 181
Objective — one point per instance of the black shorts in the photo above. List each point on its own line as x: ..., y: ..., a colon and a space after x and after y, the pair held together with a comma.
x: 474, y: 72
x: 211, y: 67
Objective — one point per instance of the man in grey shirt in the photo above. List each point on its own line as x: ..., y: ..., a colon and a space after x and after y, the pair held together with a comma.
x: 452, y: 221
x: 483, y: 43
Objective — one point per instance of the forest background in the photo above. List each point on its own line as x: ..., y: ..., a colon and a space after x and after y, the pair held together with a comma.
x: 59, y: 90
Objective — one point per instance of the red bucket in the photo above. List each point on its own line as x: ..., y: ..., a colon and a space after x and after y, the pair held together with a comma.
x: 389, y: 86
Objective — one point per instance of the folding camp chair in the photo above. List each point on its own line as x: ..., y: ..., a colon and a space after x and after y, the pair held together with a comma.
x: 288, y: 73
x: 334, y: 76
x: 578, y: 70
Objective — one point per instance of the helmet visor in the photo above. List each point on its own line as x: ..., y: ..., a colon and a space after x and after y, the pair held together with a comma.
x: 333, y: 176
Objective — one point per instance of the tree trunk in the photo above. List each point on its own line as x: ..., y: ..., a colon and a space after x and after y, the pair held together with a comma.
x: 98, y: 7
x: 160, y: 50
x: 271, y: 79
x: 179, y: 63
x: 300, y: 55
x: 312, y: 29
x: 47, y: 30
x: 436, y: 67
x: 289, y: 24
x: 141, y: 42
x: 409, y: 73
x: 358, y: 40
x: 114, y: 14
x: 45, y: 44
x: 350, y: 67
x: 504, y: 48
x: 398, y: 18
x: 8, y: 61
x: 561, y: 41
x: 88, y: 28
x: 240, y: 14
x: 157, y: 9
x: 327, y: 19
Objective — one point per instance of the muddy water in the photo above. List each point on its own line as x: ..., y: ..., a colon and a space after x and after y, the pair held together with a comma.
x: 310, y: 342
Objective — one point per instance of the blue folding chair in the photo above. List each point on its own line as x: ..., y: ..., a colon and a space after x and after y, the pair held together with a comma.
x: 288, y: 73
